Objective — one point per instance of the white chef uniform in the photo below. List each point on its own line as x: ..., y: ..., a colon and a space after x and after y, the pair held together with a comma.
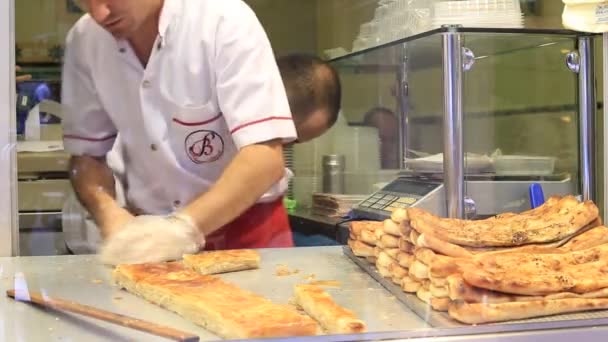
x: 211, y: 87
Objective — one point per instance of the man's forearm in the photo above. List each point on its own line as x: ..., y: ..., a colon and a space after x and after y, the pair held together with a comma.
x: 252, y: 172
x: 93, y: 183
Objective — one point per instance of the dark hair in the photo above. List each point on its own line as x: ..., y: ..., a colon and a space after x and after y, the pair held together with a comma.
x: 311, y: 84
x: 375, y: 112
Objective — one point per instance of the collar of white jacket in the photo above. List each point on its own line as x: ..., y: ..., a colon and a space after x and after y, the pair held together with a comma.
x: 586, y: 15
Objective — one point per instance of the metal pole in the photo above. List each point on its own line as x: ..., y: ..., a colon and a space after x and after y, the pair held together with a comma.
x: 453, y: 155
x: 605, y: 135
x: 9, y: 230
x: 587, y: 112
x: 403, y: 94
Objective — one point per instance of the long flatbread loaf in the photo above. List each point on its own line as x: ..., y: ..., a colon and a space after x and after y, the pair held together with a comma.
x: 458, y: 289
x: 333, y: 318
x: 388, y: 241
x: 357, y: 226
x: 220, y: 307
x: 553, y: 221
x: 392, y: 228
x: 487, y: 313
x: 589, y: 239
x: 215, y: 262
x: 541, y: 274
x: 456, y: 251
x: 399, y: 216
x: 361, y: 249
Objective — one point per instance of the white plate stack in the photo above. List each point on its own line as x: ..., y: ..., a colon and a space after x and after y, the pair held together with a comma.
x: 479, y: 13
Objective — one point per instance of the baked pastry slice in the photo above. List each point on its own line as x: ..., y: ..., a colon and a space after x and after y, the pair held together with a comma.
x: 220, y: 307
x: 332, y: 317
x: 215, y: 262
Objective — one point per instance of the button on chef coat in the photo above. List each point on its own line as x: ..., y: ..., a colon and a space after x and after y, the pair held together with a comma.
x: 211, y: 87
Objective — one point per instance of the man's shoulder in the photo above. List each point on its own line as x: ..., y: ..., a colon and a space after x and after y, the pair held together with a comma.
x: 84, y: 29
x: 208, y: 9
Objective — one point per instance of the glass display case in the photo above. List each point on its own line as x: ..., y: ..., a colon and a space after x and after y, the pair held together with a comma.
x: 508, y: 108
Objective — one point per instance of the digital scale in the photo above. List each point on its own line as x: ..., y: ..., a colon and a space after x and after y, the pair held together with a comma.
x: 487, y: 194
x: 401, y: 193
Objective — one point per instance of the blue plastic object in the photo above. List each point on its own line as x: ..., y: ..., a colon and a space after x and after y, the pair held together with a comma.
x: 35, y: 92
x: 537, y: 197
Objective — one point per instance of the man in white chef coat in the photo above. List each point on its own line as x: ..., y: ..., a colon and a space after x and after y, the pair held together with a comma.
x: 194, y: 91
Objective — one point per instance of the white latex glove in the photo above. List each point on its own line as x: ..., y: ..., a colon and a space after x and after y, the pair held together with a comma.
x: 147, y: 239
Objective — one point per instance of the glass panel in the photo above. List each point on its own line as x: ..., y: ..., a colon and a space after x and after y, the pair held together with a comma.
x: 529, y: 129
x: 44, y: 187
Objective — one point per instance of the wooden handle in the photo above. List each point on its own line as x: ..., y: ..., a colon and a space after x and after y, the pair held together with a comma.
x: 125, y: 321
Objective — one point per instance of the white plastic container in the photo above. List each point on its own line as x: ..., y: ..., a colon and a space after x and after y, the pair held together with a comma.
x: 515, y: 165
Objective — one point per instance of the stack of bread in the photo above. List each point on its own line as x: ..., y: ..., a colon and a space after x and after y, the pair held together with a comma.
x: 549, y: 260
x: 362, y: 239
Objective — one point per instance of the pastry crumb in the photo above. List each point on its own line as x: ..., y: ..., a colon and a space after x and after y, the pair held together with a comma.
x: 97, y: 281
x: 328, y: 283
x: 310, y: 277
x: 283, y: 270
x: 117, y: 298
x: 292, y: 302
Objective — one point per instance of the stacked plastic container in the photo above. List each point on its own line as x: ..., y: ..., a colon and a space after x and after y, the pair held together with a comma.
x: 478, y: 13
x: 397, y: 19
x: 394, y: 19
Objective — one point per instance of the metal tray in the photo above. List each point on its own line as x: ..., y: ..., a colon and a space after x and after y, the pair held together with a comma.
x: 438, y: 319
x: 434, y: 318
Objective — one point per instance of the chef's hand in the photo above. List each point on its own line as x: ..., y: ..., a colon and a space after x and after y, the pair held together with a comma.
x: 21, y: 78
x: 147, y: 239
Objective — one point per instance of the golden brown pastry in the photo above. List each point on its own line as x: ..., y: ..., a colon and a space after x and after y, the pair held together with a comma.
x: 333, y: 318
x: 540, y: 274
x: 589, y: 239
x: 440, y: 304
x: 487, y: 313
x: 388, y: 241
x: 361, y: 249
x: 419, y: 270
x: 553, y: 221
x: 215, y: 262
x: 399, y: 216
x: 459, y: 290
x: 397, y: 271
x: 439, y: 291
x: 392, y: 252
x: 384, y: 260
x: 424, y: 295
x: 425, y: 255
x: 405, y: 260
x: 405, y: 228
x: 406, y: 246
x: 410, y: 285
x: 369, y: 237
x: 220, y: 307
x: 392, y: 228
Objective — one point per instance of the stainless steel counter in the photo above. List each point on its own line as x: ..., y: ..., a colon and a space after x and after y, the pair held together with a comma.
x: 83, y: 279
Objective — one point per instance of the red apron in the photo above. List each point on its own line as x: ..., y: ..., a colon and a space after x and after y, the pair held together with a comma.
x: 265, y: 225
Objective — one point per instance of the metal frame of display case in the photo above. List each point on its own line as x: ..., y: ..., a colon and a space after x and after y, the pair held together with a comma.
x: 605, y: 127
x: 9, y: 234
x: 456, y: 60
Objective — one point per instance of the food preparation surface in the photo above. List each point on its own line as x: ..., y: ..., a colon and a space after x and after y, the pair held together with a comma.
x: 83, y: 279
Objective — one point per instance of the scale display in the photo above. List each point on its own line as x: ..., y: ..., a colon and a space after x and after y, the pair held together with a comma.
x: 401, y: 193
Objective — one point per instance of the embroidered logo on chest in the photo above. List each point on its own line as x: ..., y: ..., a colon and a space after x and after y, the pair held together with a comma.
x: 204, y: 146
